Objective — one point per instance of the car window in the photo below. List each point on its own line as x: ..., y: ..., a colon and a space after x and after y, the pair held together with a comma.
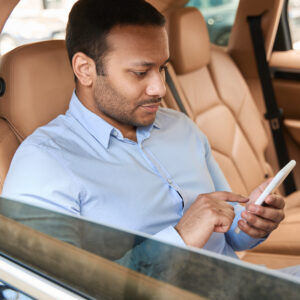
x: 294, y: 22
x: 219, y: 16
x: 7, y: 292
x: 103, y: 262
x: 35, y: 20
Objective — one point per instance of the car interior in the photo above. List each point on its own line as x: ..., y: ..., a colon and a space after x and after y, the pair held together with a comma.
x: 218, y: 87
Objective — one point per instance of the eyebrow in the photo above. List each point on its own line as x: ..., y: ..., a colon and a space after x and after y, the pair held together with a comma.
x: 147, y: 64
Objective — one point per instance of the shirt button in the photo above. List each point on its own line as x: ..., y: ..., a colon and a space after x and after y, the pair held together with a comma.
x: 169, y: 181
x: 115, y: 133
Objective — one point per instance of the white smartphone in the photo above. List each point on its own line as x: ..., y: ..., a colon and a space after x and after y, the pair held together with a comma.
x: 274, y: 184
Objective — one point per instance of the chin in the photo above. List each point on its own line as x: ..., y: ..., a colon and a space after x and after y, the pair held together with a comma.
x: 142, y: 124
x: 144, y: 119
x: 147, y: 121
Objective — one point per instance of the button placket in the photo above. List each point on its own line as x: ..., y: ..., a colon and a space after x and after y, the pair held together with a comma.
x: 165, y: 175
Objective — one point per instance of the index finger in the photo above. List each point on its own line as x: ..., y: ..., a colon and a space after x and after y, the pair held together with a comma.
x: 230, y: 197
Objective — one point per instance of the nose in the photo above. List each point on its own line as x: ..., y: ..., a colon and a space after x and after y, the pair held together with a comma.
x: 156, y: 86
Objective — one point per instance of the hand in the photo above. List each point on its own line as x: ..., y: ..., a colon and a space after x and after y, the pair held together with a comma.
x: 259, y: 220
x: 209, y: 213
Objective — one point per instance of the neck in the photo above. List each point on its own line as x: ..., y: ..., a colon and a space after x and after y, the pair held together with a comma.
x: 127, y: 131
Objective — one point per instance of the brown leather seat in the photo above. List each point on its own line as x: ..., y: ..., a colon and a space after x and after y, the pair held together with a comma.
x: 39, y: 83
x: 217, y: 98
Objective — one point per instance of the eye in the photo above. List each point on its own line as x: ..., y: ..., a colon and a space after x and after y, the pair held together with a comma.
x: 140, y: 74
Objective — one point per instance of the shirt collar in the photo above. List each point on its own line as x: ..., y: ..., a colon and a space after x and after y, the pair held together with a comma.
x: 96, y: 126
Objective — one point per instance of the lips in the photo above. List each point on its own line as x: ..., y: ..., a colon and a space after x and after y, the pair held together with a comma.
x: 152, y: 108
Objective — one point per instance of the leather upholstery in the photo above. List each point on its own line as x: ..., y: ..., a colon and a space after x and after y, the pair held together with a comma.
x: 39, y: 83
x: 241, y: 50
x: 240, y: 44
x: 8, y: 146
x: 6, y: 9
x: 285, y: 239
x: 189, y: 53
x: 221, y: 104
x: 287, y: 97
x: 218, y: 99
x: 270, y: 260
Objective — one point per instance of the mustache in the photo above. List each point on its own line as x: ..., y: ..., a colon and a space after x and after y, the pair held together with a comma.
x: 150, y: 101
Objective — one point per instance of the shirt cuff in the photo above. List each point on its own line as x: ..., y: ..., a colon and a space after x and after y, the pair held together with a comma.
x: 240, y: 241
x: 171, y: 236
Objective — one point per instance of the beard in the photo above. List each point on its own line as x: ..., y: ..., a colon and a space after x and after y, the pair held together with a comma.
x: 115, y: 106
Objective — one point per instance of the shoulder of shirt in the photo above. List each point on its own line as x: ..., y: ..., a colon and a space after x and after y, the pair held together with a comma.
x: 56, y: 129
x: 167, y: 116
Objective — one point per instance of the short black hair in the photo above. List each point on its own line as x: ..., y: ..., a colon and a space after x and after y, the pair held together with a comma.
x: 91, y: 20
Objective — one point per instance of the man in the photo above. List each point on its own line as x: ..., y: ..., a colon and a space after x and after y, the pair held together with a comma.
x: 116, y: 157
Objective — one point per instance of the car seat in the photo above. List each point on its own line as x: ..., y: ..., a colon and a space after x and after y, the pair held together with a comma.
x: 38, y: 82
x: 216, y: 96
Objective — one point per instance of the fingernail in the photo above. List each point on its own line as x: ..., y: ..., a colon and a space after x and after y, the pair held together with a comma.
x: 253, y: 209
x: 241, y: 223
x: 245, y: 216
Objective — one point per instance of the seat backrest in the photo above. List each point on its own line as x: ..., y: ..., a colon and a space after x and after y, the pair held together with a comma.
x: 38, y: 85
x: 217, y: 98
x: 8, y: 146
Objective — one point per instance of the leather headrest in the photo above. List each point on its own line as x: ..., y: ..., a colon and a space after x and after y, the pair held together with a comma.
x: 39, y: 83
x: 189, y: 40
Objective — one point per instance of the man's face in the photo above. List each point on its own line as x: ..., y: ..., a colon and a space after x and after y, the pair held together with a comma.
x: 130, y: 92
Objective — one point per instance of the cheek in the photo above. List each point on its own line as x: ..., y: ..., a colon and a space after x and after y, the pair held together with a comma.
x: 134, y: 93
x: 130, y: 88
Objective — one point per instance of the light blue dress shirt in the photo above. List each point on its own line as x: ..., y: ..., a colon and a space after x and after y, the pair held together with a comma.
x: 80, y: 164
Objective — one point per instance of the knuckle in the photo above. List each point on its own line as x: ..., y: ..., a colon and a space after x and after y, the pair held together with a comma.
x: 213, y: 215
x: 261, y: 210
x: 270, y: 227
x: 203, y: 198
x: 251, y: 219
x: 279, y: 217
x: 256, y: 235
x: 211, y: 211
x: 208, y: 206
x: 261, y: 233
x: 224, y: 195
x: 281, y: 201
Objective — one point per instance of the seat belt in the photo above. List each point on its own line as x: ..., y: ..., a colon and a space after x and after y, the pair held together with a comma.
x: 273, y: 113
x: 174, y: 92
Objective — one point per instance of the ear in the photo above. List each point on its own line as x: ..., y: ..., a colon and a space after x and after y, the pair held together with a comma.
x: 84, y: 68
